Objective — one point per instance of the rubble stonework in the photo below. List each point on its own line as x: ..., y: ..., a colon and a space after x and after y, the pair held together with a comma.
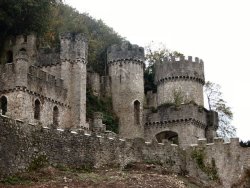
x: 43, y: 109
x: 23, y: 143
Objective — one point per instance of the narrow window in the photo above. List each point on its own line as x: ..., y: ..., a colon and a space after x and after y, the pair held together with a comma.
x: 137, y: 112
x: 25, y: 38
x: 9, y: 56
x: 55, y: 116
x: 37, y: 110
x: 3, y: 104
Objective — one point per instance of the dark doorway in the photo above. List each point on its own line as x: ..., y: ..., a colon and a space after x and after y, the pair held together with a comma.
x: 3, y: 104
x: 167, y: 135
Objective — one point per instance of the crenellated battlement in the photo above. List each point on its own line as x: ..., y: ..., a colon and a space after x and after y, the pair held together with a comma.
x: 43, y: 76
x: 180, y: 69
x: 125, y: 51
x: 73, y: 36
x: 173, y: 114
x: 74, y: 47
x: 5, y: 120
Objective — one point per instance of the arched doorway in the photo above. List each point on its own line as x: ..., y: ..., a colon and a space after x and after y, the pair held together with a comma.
x: 55, y: 116
x: 37, y: 110
x: 171, y: 136
x: 137, y: 112
x: 3, y: 104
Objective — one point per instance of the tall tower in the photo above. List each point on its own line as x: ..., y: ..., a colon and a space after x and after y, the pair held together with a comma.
x: 126, y: 66
x: 183, y: 79
x: 73, y: 57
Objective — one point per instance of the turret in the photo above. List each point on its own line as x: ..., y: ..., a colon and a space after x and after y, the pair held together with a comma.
x: 73, y: 56
x: 21, y: 66
x: 180, y: 78
x: 26, y: 43
x: 126, y: 66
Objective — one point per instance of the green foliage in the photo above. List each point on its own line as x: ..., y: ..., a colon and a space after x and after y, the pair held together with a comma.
x: 217, y: 103
x: 15, y: 180
x: 48, y: 19
x: 209, y: 169
x: 104, y: 105
x: 38, y: 162
x: 98, y: 34
x: 25, y: 16
x: 155, y: 54
x: 178, y: 97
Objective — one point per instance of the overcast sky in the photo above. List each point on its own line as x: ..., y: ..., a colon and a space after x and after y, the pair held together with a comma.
x: 217, y: 31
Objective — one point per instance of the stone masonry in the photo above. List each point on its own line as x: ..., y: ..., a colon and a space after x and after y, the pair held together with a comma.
x: 126, y: 66
x: 43, y: 113
x: 56, y: 90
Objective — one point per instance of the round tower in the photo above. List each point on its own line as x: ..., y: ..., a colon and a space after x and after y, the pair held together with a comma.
x: 21, y: 65
x: 73, y: 56
x: 180, y: 81
x: 126, y: 67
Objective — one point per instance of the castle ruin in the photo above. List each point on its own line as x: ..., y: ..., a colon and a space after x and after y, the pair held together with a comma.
x: 43, y: 94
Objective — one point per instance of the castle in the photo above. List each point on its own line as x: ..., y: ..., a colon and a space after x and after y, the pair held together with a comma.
x: 48, y: 89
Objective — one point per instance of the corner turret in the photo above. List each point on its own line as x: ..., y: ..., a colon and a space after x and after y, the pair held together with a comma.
x: 126, y: 68
x: 182, y: 76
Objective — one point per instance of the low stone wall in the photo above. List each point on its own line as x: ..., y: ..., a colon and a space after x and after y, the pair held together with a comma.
x: 21, y: 144
x: 226, y: 163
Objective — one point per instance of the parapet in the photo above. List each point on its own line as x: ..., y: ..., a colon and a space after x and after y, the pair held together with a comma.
x: 43, y: 76
x: 73, y: 36
x: 125, y: 51
x: 180, y: 68
x: 177, y: 115
x: 74, y: 47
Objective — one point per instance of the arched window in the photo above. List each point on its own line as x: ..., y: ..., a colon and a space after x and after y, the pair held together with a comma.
x: 3, y: 104
x: 167, y: 135
x: 137, y: 112
x: 37, y: 112
x: 55, y: 116
x: 9, y: 56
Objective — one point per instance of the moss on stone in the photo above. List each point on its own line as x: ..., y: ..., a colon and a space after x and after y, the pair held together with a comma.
x: 210, y: 169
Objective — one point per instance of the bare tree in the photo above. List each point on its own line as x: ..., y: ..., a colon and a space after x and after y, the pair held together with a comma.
x: 216, y: 103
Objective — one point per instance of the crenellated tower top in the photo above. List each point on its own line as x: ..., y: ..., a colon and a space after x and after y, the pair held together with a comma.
x: 180, y: 68
x: 74, y: 47
x: 125, y: 51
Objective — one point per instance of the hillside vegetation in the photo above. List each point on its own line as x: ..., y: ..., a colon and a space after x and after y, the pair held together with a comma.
x: 49, y: 18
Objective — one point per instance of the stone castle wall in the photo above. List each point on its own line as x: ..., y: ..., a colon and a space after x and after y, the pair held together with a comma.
x: 227, y: 163
x: 189, y: 121
x: 21, y: 105
x: 180, y: 76
x: 126, y: 66
x: 23, y: 143
x: 20, y: 146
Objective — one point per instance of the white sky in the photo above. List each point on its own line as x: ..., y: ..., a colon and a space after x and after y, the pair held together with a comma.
x: 217, y: 31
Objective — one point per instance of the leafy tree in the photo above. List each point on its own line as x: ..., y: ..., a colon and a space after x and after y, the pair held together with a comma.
x: 216, y: 103
x: 98, y: 34
x: 155, y: 53
x: 25, y: 16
